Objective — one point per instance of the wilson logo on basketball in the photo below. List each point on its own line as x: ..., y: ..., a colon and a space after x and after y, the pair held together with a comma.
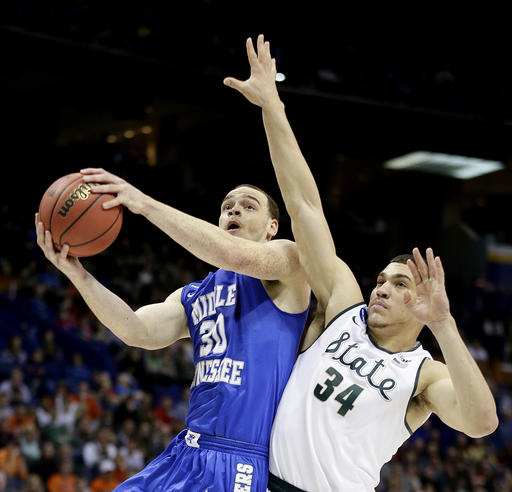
x: 80, y: 193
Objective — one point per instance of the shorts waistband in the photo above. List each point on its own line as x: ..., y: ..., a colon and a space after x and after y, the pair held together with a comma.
x: 276, y: 484
x: 222, y: 444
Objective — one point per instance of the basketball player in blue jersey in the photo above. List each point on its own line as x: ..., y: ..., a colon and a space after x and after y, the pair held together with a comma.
x: 363, y: 383
x: 245, y: 321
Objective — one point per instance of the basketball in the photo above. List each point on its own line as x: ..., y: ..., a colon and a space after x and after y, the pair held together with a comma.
x: 74, y: 215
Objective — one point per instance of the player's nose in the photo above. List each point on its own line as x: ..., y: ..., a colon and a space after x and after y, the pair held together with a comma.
x: 383, y: 290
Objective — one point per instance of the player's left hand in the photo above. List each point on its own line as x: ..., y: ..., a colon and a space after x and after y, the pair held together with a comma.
x: 260, y: 87
x: 430, y: 306
x: 104, y: 182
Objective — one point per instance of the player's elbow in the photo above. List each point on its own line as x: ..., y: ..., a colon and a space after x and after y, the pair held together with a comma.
x: 484, y: 426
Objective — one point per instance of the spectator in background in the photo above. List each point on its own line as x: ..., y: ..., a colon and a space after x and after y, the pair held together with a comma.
x: 6, y: 409
x: 107, y: 397
x: 36, y: 373
x: 77, y: 372
x: 98, y: 450
x: 127, y: 431
x: 13, y: 354
x: 15, y: 388
x: 29, y: 444
x: 106, y: 481
x: 52, y: 352
x: 13, y: 463
x: 131, y: 360
x: 88, y: 402
x: 164, y: 412
x: 33, y: 483
x: 128, y: 408
x: 44, y: 410
x: 133, y: 456
x: 22, y: 416
x: 64, y: 479
x: 48, y: 464
x: 66, y: 407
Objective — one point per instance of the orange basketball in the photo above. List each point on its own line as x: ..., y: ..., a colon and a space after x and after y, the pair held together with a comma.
x: 74, y: 215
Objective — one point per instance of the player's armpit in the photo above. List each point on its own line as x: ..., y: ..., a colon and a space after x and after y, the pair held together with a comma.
x: 165, y: 322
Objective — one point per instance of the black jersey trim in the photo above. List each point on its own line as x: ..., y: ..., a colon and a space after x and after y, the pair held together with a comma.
x: 417, y: 345
x: 331, y: 322
x: 276, y: 484
x: 412, y: 394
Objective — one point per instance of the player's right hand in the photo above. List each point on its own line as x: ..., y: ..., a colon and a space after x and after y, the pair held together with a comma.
x: 66, y: 264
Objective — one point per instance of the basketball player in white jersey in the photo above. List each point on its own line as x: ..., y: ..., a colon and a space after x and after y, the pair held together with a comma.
x: 362, y: 383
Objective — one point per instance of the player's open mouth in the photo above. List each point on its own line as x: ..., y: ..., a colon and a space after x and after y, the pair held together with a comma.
x: 233, y: 226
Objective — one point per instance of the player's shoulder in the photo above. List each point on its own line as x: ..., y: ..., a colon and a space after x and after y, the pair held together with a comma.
x: 431, y: 372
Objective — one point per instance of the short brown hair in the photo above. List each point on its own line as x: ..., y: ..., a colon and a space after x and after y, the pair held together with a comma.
x: 403, y: 259
x: 273, y: 208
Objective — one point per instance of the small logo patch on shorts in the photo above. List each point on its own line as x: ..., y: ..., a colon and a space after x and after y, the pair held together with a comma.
x: 191, y: 439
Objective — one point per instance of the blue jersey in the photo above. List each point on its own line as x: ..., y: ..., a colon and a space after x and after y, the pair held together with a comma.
x: 244, y: 351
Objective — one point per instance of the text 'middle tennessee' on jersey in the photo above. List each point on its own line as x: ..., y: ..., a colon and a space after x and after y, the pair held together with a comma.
x: 244, y: 351
x: 342, y: 414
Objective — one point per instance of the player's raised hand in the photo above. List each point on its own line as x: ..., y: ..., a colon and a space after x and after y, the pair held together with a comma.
x: 260, y: 88
x: 66, y: 264
x: 430, y: 306
x: 104, y: 182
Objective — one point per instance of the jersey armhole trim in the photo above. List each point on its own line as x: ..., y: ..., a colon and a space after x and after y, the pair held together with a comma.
x: 412, y: 396
x: 331, y: 322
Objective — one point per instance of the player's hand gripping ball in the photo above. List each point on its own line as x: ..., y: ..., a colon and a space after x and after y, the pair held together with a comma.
x: 74, y: 215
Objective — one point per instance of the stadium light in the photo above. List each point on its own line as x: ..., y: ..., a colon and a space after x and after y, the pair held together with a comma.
x: 455, y: 166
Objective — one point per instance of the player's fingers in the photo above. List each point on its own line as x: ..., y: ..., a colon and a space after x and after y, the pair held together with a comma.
x: 251, y: 54
x: 102, y: 178
x: 234, y: 83
x: 274, y: 68
x: 111, y: 203
x: 261, y: 47
x: 420, y: 263
x: 432, y: 272
x: 414, y: 270
x: 63, y: 254
x: 105, y: 188
x: 40, y: 234
x: 439, y: 270
x: 92, y: 170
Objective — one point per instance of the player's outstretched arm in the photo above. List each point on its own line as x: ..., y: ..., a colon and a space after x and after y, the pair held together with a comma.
x: 151, y: 327
x: 457, y: 392
x: 330, y: 278
x: 273, y: 260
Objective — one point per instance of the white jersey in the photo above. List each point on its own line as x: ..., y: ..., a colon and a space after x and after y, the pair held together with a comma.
x: 342, y: 414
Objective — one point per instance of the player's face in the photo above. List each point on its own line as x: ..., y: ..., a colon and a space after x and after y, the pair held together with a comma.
x: 387, y: 305
x: 244, y: 213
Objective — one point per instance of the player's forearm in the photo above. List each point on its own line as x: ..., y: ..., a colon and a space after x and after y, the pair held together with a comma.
x: 295, y: 180
x: 203, y: 239
x: 111, y: 310
x: 475, y: 400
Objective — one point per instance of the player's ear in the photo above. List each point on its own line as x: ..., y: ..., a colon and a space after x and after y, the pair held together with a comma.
x: 272, y: 229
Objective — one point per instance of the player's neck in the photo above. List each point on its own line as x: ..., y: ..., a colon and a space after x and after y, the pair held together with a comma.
x: 393, y: 340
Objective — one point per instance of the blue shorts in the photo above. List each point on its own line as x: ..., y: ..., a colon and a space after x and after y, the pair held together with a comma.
x: 198, y: 463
